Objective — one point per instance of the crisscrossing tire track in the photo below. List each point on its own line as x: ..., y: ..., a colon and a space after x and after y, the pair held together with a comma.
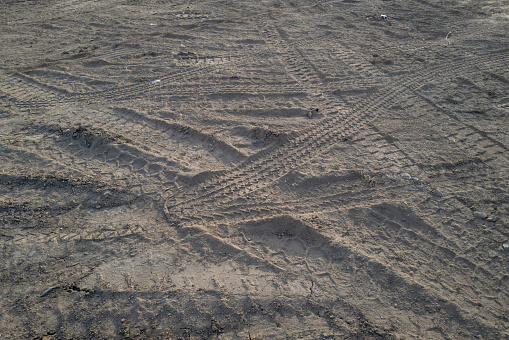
x: 259, y: 172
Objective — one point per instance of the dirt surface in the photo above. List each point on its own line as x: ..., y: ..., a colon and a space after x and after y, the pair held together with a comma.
x: 283, y: 169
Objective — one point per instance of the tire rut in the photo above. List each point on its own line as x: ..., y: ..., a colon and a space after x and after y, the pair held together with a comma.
x: 279, y: 161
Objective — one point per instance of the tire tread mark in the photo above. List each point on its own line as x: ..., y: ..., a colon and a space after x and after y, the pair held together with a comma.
x: 279, y: 160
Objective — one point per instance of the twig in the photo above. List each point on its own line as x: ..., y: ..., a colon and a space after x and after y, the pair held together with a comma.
x: 49, y: 290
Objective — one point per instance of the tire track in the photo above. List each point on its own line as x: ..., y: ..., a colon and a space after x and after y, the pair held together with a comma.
x: 392, y: 93
x: 305, y: 75
x: 327, y: 138
x: 277, y: 234
x: 223, y: 217
x: 23, y: 88
x: 58, y: 10
x: 349, y: 239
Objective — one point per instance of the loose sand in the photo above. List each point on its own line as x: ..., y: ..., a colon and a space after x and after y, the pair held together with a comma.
x: 283, y: 169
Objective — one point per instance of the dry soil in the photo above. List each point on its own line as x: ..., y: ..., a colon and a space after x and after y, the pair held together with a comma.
x: 283, y: 169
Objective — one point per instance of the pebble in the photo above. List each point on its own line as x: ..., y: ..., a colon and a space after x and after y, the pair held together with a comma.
x: 493, y: 254
x: 480, y: 214
x: 406, y: 176
x: 492, y: 219
x: 420, y: 187
x: 506, y: 246
x: 437, y: 193
x: 311, y: 113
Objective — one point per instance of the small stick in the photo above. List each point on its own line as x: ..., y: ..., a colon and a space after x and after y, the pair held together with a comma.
x: 447, y: 36
x: 47, y: 291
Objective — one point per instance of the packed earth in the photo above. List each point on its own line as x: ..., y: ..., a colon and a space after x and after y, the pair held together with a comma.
x: 274, y: 169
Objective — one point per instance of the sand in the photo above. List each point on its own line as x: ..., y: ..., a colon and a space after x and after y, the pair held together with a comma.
x: 280, y: 169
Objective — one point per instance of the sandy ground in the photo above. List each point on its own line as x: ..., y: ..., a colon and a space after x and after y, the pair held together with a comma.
x: 283, y: 169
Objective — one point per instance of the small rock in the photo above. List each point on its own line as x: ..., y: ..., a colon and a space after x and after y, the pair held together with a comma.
x: 480, y: 214
x: 507, y: 268
x: 437, y: 193
x: 420, y: 187
x: 311, y: 113
x: 505, y: 246
x: 493, y: 254
x: 135, y: 332
x: 98, y: 207
x: 492, y: 219
x: 416, y: 181
x: 406, y: 176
